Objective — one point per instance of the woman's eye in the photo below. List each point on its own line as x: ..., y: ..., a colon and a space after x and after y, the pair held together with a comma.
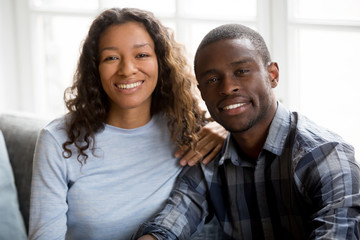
x: 111, y: 58
x: 142, y: 55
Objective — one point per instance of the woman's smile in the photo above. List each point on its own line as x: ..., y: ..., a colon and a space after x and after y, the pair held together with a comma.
x: 128, y: 85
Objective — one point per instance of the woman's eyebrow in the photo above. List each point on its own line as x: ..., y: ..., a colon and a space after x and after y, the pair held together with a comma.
x: 140, y: 45
x: 108, y: 48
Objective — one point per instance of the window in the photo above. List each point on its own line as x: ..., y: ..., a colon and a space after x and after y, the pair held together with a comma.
x: 57, y: 28
x: 323, y: 60
x: 314, y: 42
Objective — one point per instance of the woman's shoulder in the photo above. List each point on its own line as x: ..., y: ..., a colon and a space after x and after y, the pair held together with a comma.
x: 56, y: 128
x: 57, y: 123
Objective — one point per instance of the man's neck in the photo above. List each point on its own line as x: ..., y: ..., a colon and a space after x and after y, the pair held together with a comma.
x: 251, y: 142
x: 251, y: 146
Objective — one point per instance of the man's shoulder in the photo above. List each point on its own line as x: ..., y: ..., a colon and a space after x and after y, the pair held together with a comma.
x: 299, y: 130
x: 311, y: 141
x: 311, y: 135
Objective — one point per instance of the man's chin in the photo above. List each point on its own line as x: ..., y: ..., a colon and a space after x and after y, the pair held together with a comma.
x: 237, y: 127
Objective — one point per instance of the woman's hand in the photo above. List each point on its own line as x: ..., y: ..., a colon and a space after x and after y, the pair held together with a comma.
x: 211, y: 139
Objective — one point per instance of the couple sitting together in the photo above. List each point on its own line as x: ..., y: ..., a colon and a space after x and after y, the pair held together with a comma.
x: 122, y: 163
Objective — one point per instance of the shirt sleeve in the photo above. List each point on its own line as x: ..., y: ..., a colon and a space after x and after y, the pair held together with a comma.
x: 185, y: 211
x: 330, y: 181
x: 48, y: 204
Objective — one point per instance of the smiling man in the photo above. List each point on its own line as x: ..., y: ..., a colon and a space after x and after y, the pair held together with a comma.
x: 279, y: 175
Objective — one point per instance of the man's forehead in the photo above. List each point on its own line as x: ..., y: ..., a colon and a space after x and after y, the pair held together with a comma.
x: 243, y: 42
x: 232, y: 47
x: 228, y: 48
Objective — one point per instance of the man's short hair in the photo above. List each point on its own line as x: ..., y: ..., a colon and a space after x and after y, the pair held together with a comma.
x: 236, y: 31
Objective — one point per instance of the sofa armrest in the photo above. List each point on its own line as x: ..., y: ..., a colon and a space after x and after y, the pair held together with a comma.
x: 20, y: 134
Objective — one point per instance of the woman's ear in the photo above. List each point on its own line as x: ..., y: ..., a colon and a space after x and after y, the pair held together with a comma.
x: 273, y: 71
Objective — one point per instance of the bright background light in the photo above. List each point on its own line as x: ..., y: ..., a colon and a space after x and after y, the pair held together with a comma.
x: 315, y: 42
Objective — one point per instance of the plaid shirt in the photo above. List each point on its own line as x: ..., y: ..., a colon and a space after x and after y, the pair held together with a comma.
x: 304, y: 185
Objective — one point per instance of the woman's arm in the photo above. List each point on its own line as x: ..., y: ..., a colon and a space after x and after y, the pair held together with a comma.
x: 211, y: 139
x: 48, y: 205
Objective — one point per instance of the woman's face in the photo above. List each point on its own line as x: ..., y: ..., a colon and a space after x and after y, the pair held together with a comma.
x: 128, y: 67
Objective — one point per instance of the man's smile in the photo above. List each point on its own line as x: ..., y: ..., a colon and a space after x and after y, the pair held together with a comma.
x: 232, y: 106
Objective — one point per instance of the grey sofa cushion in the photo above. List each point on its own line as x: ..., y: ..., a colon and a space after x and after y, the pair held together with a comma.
x: 11, y: 221
x: 20, y: 134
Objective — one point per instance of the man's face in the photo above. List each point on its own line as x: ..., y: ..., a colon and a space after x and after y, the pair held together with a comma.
x: 235, y: 84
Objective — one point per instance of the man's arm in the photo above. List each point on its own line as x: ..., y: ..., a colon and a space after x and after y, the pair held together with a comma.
x: 185, y: 211
x: 331, y: 180
x: 148, y: 237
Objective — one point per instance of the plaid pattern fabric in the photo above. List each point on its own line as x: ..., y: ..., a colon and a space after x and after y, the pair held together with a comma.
x: 211, y: 231
x: 304, y: 185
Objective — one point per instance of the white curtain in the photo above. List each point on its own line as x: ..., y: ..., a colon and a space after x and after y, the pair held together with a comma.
x: 9, y: 95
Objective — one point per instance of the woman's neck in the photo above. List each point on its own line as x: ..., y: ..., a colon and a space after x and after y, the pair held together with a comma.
x: 128, y: 118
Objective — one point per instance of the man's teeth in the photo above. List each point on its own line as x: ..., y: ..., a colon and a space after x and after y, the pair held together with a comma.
x: 233, y: 106
x: 128, y: 86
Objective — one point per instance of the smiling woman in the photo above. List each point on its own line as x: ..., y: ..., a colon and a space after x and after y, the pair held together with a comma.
x: 128, y: 70
x: 109, y: 163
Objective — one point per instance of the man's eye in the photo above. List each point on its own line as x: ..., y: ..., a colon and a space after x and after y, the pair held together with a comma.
x: 241, y: 71
x: 212, y: 80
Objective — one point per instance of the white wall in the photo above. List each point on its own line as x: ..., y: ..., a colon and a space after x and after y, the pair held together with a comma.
x: 9, y: 94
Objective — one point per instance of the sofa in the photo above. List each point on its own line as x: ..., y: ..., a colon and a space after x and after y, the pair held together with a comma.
x: 20, y: 133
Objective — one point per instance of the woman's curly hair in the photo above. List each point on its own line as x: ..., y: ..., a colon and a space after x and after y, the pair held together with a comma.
x: 88, y: 103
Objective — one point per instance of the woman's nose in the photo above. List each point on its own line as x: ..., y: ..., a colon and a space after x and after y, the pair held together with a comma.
x: 127, y: 68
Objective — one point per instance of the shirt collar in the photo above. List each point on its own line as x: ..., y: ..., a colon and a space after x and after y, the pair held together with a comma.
x: 278, y: 131
x: 275, y: 141
x: 228, y: 151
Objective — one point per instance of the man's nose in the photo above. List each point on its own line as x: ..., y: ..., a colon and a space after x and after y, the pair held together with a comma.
x: 229, y: 86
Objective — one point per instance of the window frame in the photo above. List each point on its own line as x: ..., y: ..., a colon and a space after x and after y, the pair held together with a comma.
x: 274, y: 21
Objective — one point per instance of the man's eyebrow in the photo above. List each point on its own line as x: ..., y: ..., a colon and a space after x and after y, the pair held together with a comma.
x: 243, y: 61
x: 235, y: 63
x: 207, y: 72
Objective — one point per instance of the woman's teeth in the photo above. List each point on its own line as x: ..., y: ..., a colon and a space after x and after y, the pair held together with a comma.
x: 128, y: 86
x: 232, y: 106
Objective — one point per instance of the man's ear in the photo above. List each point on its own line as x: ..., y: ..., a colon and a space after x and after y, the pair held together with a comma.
x: 273, y: 70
